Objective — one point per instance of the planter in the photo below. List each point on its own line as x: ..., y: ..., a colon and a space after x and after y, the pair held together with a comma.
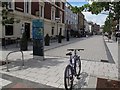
x: 23, y: 46
x: 24, y: 43
x: 47, y: 40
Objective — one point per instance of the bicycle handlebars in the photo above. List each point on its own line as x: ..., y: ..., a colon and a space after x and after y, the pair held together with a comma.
x: 75, y: 49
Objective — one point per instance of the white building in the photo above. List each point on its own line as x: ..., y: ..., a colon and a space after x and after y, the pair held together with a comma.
x: 87, y: 29
x: 71, y: 19
x: 90, y: 26
x: 29, y: 10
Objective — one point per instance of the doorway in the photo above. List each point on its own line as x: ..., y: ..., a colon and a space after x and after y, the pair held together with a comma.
x: 27, y: 30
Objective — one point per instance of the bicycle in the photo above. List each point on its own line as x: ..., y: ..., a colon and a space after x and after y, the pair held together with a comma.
x: 72, y: 69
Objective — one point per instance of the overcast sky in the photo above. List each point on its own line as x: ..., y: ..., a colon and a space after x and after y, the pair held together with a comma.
x: 99, y: 19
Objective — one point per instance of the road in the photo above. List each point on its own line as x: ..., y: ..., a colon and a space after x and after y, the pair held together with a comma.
x: 94, y: 49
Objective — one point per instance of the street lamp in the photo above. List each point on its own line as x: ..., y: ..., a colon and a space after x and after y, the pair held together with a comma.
x: 57, y: 20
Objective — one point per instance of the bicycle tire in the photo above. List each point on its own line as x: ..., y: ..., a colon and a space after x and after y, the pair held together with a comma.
x: 79, y: 67
x: 70, y: 77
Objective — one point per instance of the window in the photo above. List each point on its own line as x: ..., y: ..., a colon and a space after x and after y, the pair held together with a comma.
x: 61, y: 17
x: 52, y: 31
x: 61, y: 31
x: 8, y: 30
x: 52, y: 14
x: 27, y: 6
x: 10, y: 5
x: 41, y: 11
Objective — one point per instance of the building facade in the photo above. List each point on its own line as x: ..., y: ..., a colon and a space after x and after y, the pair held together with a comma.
x: 54, y: 18
x: 86, y: 26
x: 71, y: 20
x: 52, y: 13
x: 96, y: 28
x: 91, y: 27
x: 81, y: 25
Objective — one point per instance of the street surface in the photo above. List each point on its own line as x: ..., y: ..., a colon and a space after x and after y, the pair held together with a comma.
x: 50, y: 72
x: 94, y: 49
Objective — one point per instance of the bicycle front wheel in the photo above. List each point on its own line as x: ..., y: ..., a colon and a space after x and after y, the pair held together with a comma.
x: 68, y: 78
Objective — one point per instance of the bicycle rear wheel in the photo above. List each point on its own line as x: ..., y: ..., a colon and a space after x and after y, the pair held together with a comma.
x: 68, y: 78
x: 77, y: 67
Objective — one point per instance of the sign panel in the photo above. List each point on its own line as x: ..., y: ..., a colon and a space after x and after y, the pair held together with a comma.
x: 38, y: 37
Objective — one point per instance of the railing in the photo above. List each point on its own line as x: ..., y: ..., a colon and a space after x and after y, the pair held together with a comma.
x: 11, y: 53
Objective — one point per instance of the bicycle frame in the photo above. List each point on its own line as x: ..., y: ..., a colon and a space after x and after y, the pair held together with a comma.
x: 71, y: 67
x: 72, y: 60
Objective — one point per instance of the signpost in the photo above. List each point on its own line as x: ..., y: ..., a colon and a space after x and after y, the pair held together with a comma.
x: 38, y: 38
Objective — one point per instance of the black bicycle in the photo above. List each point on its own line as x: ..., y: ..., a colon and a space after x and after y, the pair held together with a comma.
x: 72, y: 69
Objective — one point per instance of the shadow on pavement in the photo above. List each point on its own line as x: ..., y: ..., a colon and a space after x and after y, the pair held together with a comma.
x: 81, y: 82
x: 32, y: 63
x: 110, y: 58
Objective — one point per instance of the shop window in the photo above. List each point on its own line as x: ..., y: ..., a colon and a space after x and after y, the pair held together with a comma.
x: 8, y: 30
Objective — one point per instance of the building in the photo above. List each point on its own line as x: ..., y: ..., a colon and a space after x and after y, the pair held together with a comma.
x: 54, y: 18
x: 96, y: 28
x: 90, y: 27
x: 52, y: 13
x: 81, y: 25
x: 86, y: 26
x: 71, y: 19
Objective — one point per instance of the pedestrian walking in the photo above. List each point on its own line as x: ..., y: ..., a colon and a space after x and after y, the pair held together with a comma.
x: 47, y: 40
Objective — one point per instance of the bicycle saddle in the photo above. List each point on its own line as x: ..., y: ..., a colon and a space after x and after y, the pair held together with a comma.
x: 69, y: 54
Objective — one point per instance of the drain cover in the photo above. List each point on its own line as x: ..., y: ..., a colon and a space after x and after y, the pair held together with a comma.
x: 104, y: 60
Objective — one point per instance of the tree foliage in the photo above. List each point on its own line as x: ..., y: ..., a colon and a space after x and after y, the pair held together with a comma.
x: 6, y: 19
x: 99, y: 7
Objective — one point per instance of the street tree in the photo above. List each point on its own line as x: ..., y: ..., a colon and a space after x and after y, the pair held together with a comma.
x: 6, y: 18
x: 100, y: 7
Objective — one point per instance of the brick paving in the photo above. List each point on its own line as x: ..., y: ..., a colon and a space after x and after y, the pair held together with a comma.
x: 51, y: 71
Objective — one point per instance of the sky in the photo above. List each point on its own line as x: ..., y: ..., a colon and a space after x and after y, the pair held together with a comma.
x: 99, y: 19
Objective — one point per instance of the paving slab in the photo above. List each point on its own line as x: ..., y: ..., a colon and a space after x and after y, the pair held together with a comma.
x: 53, y: 67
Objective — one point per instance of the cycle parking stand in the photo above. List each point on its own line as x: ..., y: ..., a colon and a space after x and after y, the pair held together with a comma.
x: 11, y: 53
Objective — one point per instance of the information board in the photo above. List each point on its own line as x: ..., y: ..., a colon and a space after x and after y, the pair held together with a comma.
x: 38, y: 37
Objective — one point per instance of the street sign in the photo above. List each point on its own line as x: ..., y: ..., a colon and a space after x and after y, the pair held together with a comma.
x: 38, y: 37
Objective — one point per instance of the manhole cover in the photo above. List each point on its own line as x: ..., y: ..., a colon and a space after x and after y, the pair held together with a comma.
x: 107, y: 83
x: 3, y: 63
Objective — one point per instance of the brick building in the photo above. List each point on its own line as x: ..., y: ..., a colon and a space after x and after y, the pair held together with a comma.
x: 81, y: 25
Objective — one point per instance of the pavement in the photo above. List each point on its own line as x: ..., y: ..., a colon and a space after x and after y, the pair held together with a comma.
x: 50, y: 72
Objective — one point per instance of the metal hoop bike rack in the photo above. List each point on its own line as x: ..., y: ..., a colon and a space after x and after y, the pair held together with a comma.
x: 11, y: 53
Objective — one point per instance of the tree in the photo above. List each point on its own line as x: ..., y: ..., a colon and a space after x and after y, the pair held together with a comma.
x: 6, y: 19
x: 107, y: 26
x: 99, y: 7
